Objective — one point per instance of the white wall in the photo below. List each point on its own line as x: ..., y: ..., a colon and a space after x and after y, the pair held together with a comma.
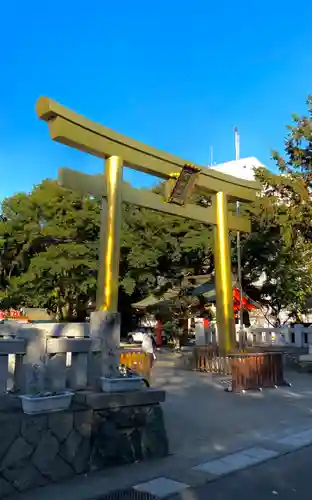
x: 243, y: 169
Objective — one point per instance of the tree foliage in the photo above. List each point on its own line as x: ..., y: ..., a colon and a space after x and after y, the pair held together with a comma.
x: 277, y: 255
x: 49, y: 246
x: 48, y: 250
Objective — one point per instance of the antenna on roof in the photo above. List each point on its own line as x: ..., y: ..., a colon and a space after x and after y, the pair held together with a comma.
x: 211, y: 155
x: 237, y: 144
x: 238, y: 249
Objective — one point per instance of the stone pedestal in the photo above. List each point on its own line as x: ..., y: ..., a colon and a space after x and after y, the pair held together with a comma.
x: 99, y: 430
x: 127, y: 427
x: 37, y: 450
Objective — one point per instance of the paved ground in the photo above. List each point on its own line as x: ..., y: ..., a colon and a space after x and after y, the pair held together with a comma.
x: 216, y: 421
x: 212, y: 433
x: 285, y: 478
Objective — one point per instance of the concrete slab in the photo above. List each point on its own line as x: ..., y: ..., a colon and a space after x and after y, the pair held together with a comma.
x: 236, y: 461
x: 161, y: 487
x: 260, y: 454
x: 216, y: 467
x: 297, y: 440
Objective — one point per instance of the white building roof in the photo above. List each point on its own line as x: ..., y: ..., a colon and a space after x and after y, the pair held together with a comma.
x: 243, y: 168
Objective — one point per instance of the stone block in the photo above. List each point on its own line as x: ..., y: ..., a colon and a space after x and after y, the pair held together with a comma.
x: 154, y: 437
x: 19, y: 451
x: 111, y: 448
x: 128, y: 434
x: 9, y: 402
x: 69, y: 448
x: 33, y: 428
x: 104, y: 446
x: 61, y: 424
x: 6, y: 488
x: 82, y: 459
x: 10, y: 423
x: 127, y: 417
x: 135, y: 440
x: 58, y: 470
x: 100, y: 400
x: 24, y: 477
x: 45, y: 453
x: 83, y: 422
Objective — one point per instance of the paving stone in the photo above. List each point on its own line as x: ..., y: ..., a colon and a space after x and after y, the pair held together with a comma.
x: 161, y: 487
x: 19, y: 451
x: 306, y: 434
x: 69, y: 449
x: 33, y: 428
x: 45, y: 453
x: 216, y: 467
x: 261, y: 453
x: 190, y: 476
x: 61, y: 424
x: 24, y: 477
x: 297, y: 440
x: 240, y: 460
x: 236, y: 461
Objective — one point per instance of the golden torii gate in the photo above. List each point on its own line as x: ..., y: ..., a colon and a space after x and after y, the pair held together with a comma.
x: 72, y: 129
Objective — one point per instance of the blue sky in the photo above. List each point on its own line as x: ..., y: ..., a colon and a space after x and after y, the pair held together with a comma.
x: 178, y: 75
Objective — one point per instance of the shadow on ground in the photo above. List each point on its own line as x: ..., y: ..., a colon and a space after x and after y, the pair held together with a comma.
x: 202, y: 418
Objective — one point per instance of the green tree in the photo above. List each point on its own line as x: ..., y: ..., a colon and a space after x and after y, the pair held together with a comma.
x: 278, y: 252
x: 48, y: 245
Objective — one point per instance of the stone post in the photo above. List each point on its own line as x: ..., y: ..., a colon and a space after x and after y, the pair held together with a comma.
x: 30, y: 367
x: 104, y: 357
x: 199, y: 332
x: 298, y: 335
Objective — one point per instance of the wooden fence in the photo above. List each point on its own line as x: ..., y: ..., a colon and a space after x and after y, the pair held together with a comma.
x: 68, y: 360
x: 137, y: 361
x: 250, y: 367
x: 208, y: 359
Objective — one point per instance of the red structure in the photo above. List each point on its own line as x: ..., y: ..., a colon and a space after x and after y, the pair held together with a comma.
x: 158, y: 332
x: 236, y: 303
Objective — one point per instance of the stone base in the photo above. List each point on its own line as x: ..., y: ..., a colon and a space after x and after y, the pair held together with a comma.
x: 307, y: 358
x: 105, y: 430
x: 38, y: 449
x: 121, y: 384
x: 127, y: 435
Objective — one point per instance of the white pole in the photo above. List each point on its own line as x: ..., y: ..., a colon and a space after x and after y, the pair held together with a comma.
x: 236, y: 144
x: 238, y: 245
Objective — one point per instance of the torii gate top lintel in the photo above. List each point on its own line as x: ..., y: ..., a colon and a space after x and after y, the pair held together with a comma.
x: 74, y: 130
